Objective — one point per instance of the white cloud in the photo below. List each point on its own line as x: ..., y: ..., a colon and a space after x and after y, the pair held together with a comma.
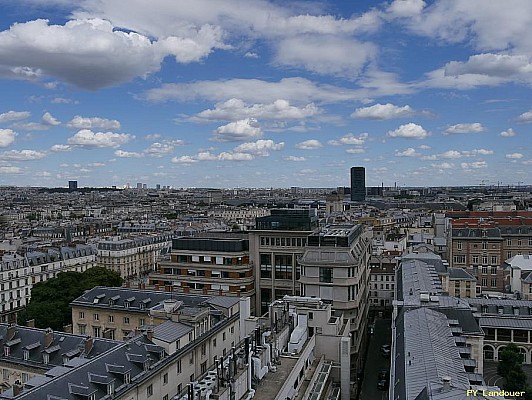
x: 11, y: 170
x: 206, y: 156
x: 60, y: 147
x: 507, y: 133
x: 295, y: 158
x: 236, y: 109
x: 383, y: 111
x: 184, y: 160
x: 453, y: 154
x: 48, y: 119
x: 516, y: 67
x: 30, y: 126
x: 409, y: 152
x: 87, y: 139
x: 424, y: 147
x: 474, y: 165
x: 7, y: 137
x: 525, y: 118
x: 409, y: 131
x: 251, y: 54
x: 43, y: 174
x: 443, y: 165
x: 108, y: 55
x: 405, y: 8
x: 11, y: 116
x: 153, y: 136
x: 79, y: 122
x: 514, y: 156
x: 350, y: 139
x: 474, y: 127
x: 128, y: 154
x: 311, y: 144
x: 260, y: 147
x: 22, y: 155
x: 63, y: 100
x: 355, y: 150
x: 159, y: 149
x: 325, y: 54
x: 96, y: 164
x: 239, y: 130
x: 295, y: 90
x: 230, y: 156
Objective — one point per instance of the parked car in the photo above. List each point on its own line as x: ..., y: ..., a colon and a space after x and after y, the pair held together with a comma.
x: 385, y: 350
x: 382, y: 384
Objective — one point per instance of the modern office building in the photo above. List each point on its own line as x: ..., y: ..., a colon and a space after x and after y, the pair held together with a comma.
x: 72, y: 184
x: 275, y: 247
x: 215, y: 265
x: 358, y: 184
x: 335, y: 268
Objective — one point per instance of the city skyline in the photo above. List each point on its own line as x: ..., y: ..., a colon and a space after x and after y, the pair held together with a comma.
x: 264, y: 94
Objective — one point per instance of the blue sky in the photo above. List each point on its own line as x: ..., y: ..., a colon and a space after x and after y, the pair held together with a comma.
x: 249, y: 93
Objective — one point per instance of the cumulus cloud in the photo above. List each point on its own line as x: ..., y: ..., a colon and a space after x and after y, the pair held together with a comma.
x: 260, y: 147
x: 443, y: 165
x: 514, y: 156
x: 236, y: 109
x: 311, y: 144
x: 88, y: 139
x: 383, y: 111
x: 350, y: 139
x: 7, y: 137
x: 108, y: 55
x: 11, y: 116
x: 453, y: 154
x: 11, y: 170
x: 405, y: 8
x: 474, y: 127
x: 409, y: 152
x: 184, y: 160
x: 239, y: 130
x: 235, y: 156
x: 63, y: 100
x: 474, y: 165
x: 49, y: 119
x: 153, y: 136
x: 294, y: 158
x: 325, y: 54
x: 22, y: 155
x: 79, y: 122
x: 507, y: 133
x: 60, y: 147
x: 525, y: 118
x: 355, y: 150
x: 128, y: 154
x: 409, y: 131
x: 160, y: 149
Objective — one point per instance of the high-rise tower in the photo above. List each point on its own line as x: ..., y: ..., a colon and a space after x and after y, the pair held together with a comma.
x: 358, y: 184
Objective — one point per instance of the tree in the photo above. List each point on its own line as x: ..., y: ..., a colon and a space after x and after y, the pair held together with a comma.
x: 510, y: 369
x: 50, y: 301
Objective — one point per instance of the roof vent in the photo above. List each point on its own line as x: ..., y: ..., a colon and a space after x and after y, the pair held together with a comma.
x: 446, y: 383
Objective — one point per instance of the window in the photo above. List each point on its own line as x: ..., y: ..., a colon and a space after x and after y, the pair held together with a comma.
x: 214, y: 341
x: 484, y: 245
x: 509, y: 242
x: 142, y: 321
x: 484, y: 281
x: 484, y: 270
x: 493, y: 282
x: 223, y: 336
x: 460, y: 259
x: 165, y: 379
x: 265, y: 265
x: 111, y: 318
x: 96, y: 317
x: 178, y: 367
x: 326, y: 275
x: 474, y: 260
x: 192, y: 378
x: 459, y: 245
x: 493, y: 270
x: 149, y: 391
x: 165, y: 397
x: 81, y: 315
x: 126, y: 320
x: 484, y: 260
x: 494, y: 260
x: 96, y: 331
x: 82, y: 329
x: 283, y: 266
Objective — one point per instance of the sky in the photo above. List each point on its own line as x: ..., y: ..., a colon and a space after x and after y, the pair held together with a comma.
x: 255, y: 93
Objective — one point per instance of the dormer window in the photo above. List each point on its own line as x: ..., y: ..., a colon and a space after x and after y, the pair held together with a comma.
x: 6, y: 351
x: 26, y: 355
x: 127, y: 378
x: 126, y: 304
x: 45, y: 358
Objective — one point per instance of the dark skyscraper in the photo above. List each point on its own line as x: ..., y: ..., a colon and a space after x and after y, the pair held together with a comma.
x: 72, y: 184
x: 358, y: 184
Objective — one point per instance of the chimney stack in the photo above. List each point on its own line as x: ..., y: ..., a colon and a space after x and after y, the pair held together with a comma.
x: 17, y: 388
x: 11, y: 331
x: 88, y: 345
x: 446, y: 383
x: 48, y: 337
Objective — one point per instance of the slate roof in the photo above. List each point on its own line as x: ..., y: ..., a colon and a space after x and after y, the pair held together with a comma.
x: 460, y: 274
x: 171, y: 331
x: 508, y: 307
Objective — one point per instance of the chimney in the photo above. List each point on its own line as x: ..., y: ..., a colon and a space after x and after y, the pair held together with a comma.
x: 88, y: 344
x: 48, y: 337
x: 446, y: 383
x: 67, y: 328
x: 30, y: 323
x: 11, y: 331
x: 17, y: 388
x: 149, y: 334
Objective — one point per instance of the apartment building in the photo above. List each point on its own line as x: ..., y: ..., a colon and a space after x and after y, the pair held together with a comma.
x: 275, y: 247
x: 133, y: 256
x: 218, y: 264
x: 459, y: 283
x: 480, y: 242
x: 335, y: 268
x: 382, y: 281
x: 19, y: 272
x: 117, y: 313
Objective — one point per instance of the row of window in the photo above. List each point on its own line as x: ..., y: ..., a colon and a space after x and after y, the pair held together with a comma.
x: 283, y: 242
x: 509, y: 242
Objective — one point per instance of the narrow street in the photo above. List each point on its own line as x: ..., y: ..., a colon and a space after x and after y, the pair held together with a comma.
x: 376, y: 362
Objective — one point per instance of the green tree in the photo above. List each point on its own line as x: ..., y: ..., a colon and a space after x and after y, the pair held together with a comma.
x: 510, y: 369
x: 50, y: 301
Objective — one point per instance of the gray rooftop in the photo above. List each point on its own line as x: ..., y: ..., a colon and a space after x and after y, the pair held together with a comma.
x: 171, y: 331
